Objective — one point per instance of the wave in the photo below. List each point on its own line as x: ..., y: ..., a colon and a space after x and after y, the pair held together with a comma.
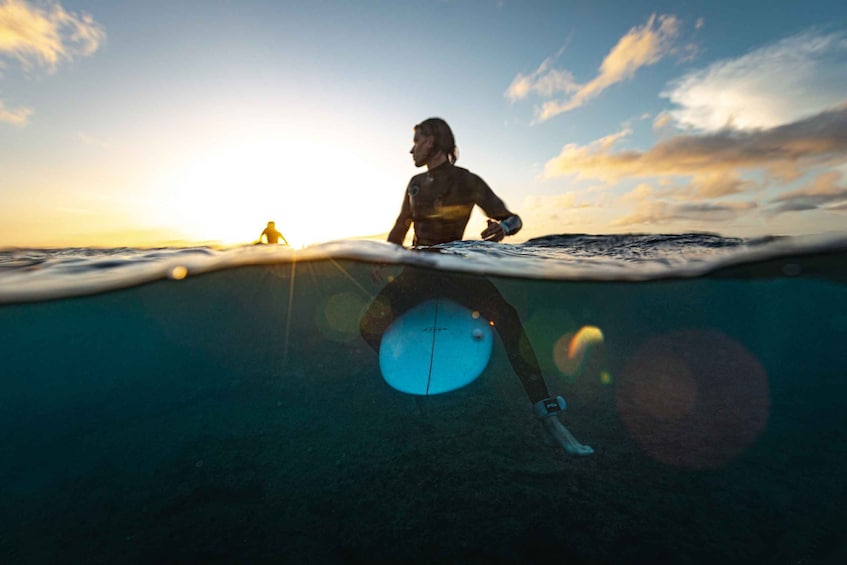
x: 28, y: 274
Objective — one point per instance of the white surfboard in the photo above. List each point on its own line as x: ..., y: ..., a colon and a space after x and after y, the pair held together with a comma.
x: 436, y: 347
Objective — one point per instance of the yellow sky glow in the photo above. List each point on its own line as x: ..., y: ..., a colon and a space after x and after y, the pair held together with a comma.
x: 313, y: 190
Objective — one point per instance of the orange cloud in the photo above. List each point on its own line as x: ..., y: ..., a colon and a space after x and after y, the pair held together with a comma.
x: 14, y: 116
x: 45, y: 34
x: 566, y: 201
x: 545, y: 81
x: 785, y: 152
x: 666, y: 213
x: 641, y: 46
x: 661, y: 121
x: 718, y: 184
x: 640, y: 193
x: 826, y: 192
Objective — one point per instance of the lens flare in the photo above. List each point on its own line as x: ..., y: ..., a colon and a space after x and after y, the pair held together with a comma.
x: 178, y: 273
x: 339, y: 317
x: 544, y: 329
x: 693, y: 398
x: 570, y: 350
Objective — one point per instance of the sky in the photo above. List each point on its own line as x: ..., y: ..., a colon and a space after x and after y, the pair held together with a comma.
x: 146, y: 123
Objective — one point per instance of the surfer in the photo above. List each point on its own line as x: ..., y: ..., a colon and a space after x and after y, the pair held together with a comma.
x: 438, y: 203
x: 272, y: 235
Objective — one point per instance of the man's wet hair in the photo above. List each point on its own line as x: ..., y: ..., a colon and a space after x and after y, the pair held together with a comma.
x: 443, y: 135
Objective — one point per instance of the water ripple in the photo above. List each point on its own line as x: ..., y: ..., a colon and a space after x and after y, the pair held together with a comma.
x: 41, y: 274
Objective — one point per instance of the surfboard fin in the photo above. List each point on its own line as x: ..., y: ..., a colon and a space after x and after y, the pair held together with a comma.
x: 549, y: 406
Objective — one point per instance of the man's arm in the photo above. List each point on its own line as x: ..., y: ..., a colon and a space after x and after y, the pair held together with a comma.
x: 404, y: 221
x: 507, y: 224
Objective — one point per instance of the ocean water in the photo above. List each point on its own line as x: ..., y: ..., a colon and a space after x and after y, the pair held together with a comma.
x: 219, y: 405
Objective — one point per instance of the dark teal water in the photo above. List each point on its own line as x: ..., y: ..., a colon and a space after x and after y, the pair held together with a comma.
x: 237, y: 416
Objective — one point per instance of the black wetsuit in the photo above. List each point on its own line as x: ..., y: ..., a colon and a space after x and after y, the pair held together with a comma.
x: 439, y: 204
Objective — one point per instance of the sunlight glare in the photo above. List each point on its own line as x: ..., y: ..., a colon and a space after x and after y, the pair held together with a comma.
x: 314, y: 191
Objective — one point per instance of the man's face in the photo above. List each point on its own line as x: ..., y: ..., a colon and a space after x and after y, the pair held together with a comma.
x: 421, y: 148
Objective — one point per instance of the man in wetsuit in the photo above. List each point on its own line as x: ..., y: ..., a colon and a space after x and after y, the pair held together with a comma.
x: 438, y: 204
x: 272, y: 235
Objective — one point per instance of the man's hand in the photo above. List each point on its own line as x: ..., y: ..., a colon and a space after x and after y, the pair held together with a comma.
x: 494, y: 232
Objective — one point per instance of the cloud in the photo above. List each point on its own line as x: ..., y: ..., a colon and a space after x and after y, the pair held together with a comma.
x: 699, y: 187
x: 45, y: 34
x: 641, y: 193
x: 715, y: 185
x: 661, y: 121
x: 544, y: 81
x: 566, y: 201
x: 641, y: 46
x: 784, y: 152
x: 91, y: 140
x: 15, y: 116
x: 665, y: 213
x: 777, y: 84
x: 825, y: 192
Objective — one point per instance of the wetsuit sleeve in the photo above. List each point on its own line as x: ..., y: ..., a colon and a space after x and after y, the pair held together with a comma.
x: 404, y: 221
x: 492, y: 205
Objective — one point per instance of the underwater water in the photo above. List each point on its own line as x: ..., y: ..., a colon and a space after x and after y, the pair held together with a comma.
x: 199, y: 405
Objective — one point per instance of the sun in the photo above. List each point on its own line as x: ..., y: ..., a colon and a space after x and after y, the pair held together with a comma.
x: 314, y: 191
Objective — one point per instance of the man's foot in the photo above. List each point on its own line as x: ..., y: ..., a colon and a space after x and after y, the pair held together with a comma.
x: 547, y: 411
x: 558, y: 434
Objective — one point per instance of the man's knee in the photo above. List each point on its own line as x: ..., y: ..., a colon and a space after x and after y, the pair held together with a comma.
x: 374, y: 322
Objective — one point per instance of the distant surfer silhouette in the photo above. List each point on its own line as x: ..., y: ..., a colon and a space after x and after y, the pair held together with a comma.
x: 271, y: 234
x: 438, y: 204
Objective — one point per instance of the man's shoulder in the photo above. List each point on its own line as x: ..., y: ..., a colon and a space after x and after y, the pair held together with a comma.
x: 417, y: 179
x: 469, y: 177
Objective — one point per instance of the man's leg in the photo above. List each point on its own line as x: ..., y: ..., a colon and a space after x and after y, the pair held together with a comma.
x: 480, y: 294
x: 404, y: 292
